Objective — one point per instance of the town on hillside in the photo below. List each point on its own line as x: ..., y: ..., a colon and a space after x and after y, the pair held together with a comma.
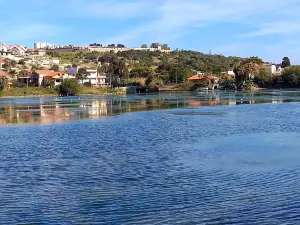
x: 98, y: 66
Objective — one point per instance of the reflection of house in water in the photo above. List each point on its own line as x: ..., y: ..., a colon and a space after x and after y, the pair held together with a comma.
x: 51, y: 113
x: 277, y: 101
x: 7, y: 115
x: 94, y: 109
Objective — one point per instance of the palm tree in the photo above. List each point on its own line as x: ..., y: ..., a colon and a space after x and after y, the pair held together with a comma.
x: 245, y: 71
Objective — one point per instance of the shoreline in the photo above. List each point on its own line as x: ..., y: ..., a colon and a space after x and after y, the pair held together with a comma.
x: 40, y: 96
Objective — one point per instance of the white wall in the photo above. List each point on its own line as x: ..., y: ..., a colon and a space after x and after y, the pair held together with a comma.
x: 41, y: 44
x: 105, y: 49
x: 273, y: 69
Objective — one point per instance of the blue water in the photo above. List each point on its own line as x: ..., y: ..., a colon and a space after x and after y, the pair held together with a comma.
x: 187, y: 164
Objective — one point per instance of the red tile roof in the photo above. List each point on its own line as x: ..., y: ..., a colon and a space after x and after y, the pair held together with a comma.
x: 49, y: 73
x: 3, y: 74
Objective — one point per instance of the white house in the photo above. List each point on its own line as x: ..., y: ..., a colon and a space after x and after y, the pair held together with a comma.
x: 270, y: 67
x: 11, y: 49
x: 41, y: 45
x: 280, y: 70
x: 17, y: 49
x: 229, y: 72
x: 3, y: 48
x: 96, y: 79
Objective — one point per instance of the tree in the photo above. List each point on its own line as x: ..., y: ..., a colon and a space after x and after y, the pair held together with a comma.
x: 3, y: 83
x: 22, y: 62
x: 7, y: 64
x: 12, y: 74
x: 13, y: 63
x: 144, y: 46
x: 55, y: 67
x: 255, y: 59
x: 82, y: 74
x: 120, y: 46
x: 69, y: 87
x: 165, y: 47
x: 285, y: 62
x: 245, y: 71
x: 264, y: 78
x: 155, y: 45
x: 291, y: 76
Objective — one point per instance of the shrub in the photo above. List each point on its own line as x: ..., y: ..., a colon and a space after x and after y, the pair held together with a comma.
x: 69, y: 87
x: 18, y: 84
x: 22, y: 62
x: 87, y: 84
x: 228, y: 84
x: 3, y: 83
x: 264, y: 78
x: 55, y: 67
x: 291, y: 76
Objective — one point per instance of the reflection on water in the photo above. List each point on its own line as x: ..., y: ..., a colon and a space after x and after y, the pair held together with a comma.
x: 50, y: 110
x: 222, y: 165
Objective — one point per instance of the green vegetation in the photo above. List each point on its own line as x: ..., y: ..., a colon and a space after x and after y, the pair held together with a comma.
x: 55, y: 68
x: 42, y: 91
x: 22, y: 62
x: 3, y: 83
x: 69, y: 87
x: 285, y: 62
x: 157, y: 67
x: 82, y: 74
x: 264, y: 78
x: 97, y: 91
x: 31, y: 91
x: 291, y: 76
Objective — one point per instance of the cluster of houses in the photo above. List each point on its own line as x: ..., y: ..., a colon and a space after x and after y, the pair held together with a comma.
x: 15, y: 49
x: 199, y: 77
x: 43, y: 47
x: 54, y: 78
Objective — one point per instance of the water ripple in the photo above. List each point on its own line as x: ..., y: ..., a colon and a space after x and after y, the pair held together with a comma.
x: 155, y: 168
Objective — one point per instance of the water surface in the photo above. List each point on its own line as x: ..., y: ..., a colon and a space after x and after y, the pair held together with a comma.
x: 202, y: 158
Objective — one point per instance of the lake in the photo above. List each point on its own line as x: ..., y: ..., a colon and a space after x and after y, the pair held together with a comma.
x: 173, y: 158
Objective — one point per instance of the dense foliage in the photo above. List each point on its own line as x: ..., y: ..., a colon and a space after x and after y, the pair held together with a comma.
x: 285, y: 62
x: 55, y: 68
x: 155, y: 66
x: 69, y: 87
x: 3, y: 83
x: 291, y: 76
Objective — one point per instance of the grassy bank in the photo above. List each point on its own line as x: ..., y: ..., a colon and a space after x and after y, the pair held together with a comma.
x: 29, y: 92
x: 41, y: 91
x: 97, y: 91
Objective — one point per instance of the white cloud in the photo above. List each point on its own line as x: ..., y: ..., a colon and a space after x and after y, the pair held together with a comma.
x: 175, y: 18
x: 108, y: 9
x: 284, y: 27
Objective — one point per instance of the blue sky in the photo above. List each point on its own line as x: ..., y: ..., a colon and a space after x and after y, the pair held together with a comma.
x: 269, y: 29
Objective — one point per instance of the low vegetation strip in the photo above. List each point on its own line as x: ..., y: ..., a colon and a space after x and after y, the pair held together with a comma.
x: 41, y: 91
